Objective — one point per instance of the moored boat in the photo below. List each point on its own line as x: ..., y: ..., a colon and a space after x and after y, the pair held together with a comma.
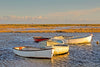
x: 39, y: 38
x: 58, y: 48
x: 53, y: 42
x: 78, y: 40
x: 74, y: 40
x: 28, y: 51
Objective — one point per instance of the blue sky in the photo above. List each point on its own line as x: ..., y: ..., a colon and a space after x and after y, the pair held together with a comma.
x: 49, y: 11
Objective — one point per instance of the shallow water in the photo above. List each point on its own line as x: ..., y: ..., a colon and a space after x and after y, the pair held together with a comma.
x: 80, y: 55
x: 56, y: 28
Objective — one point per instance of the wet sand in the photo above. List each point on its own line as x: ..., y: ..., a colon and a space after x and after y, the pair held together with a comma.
x: 80, y: 55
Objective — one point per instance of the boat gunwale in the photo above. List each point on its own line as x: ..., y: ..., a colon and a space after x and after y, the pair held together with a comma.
x: 41, y: 49
x: 79, y: 37
x: 41, y: 38
x: 61, y: 45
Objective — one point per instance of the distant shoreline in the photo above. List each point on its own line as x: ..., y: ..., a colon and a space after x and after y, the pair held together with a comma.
x: 10, y: 28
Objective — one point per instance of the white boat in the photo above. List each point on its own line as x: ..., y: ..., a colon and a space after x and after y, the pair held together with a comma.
x: 58, y: 48
x: 27, y: 51
x: 77, y: 40
x: 53, y: 42
x: 73, y: 40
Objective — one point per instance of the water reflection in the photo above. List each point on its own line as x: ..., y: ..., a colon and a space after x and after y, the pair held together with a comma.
x: 38, y: 62
x: 18, y: 61
x: 60, y: 60
x: 53, y: 62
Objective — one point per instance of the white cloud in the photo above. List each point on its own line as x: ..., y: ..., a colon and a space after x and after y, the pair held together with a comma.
x: 78, y: 15
x: 75, y: 13
x: 22, y: 18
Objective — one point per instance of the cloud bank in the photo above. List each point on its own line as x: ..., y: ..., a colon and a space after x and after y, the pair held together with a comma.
x: 23, y: 18
x: 76, y: 16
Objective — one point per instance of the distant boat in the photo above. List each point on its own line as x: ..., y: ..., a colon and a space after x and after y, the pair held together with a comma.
x: 78, y: 40
x: 73, y: 40
x: 40, y: 38
x: 28, y: 51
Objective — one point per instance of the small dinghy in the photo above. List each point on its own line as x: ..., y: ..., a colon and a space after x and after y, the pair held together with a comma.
x: 73, y: 40
x: 40, y: 38
x: 58, y: 48
x: 79, y: 40
x: 28, y: 51
x: 53, y: 42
